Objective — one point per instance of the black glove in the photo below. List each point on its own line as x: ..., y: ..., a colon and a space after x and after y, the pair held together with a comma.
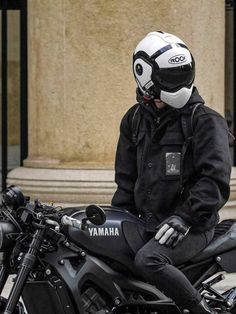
x: 172, y: 231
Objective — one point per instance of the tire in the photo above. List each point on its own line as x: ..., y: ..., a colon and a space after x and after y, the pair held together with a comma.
x: 18, y: 310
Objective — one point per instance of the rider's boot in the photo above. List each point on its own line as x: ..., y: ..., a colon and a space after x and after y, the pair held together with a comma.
x: 204, y: 308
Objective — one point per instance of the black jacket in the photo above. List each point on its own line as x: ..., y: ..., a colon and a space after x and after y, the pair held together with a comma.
x: 148, y: 172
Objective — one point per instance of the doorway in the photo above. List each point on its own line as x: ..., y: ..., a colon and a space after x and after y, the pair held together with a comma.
x: 230, y: 68
x: 13, y: 88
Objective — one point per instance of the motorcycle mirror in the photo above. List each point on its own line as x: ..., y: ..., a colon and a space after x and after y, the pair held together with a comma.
x: 96, y: 214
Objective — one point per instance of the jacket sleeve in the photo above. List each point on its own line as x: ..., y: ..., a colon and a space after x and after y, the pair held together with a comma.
x: 212, y: 163
x: 125, y: 166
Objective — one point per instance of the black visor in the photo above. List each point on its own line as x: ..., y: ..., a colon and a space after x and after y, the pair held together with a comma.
x: 172, y: 79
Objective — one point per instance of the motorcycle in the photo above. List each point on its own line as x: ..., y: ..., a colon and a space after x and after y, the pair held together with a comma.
x: 79, y: 260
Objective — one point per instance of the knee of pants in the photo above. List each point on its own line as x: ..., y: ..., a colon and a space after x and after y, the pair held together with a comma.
x: 144, y: 260
x: 140, y: 260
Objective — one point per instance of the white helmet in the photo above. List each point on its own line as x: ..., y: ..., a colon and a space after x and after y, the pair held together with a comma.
x: 164, y: 69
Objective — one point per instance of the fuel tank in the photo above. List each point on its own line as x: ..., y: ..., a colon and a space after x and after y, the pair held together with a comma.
x: 119, y: 238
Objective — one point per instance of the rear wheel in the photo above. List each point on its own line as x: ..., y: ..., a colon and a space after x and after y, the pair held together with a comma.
x: 19, y: 309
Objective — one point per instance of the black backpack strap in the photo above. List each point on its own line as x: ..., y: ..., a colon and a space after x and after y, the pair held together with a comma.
x: 192, y: 115
x: 136, y: 119
x: 187, y: 129
x: 187, y: 123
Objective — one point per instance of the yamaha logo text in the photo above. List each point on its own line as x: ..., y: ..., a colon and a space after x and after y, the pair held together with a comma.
x: 104, y: 232
x: 177, y: 59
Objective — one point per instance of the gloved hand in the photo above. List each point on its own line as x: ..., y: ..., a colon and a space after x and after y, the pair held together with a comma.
x: 172, y: 231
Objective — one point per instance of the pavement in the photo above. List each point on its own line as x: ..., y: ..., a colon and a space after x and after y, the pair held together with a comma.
x: 227, y: 283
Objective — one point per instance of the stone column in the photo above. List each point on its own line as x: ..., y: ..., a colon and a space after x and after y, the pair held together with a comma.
x: 81, y: 84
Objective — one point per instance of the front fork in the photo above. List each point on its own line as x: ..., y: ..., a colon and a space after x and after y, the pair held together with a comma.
x: 3, y: 273
x: 23, y: 273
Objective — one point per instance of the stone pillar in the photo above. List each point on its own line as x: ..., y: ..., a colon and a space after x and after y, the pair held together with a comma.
x: 13, y: 65
x: 81, y: 84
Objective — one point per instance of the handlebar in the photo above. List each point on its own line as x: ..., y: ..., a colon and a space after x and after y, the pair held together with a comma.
x: 69, y: 221
x: 20, y: 211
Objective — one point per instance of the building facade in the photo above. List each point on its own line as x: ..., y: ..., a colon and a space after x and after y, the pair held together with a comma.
x: 80, y: 83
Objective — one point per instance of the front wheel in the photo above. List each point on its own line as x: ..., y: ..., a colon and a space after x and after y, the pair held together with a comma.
x: 19, y: 309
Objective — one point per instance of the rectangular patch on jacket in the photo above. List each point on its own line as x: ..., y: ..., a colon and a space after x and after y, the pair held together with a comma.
x: 173, y: 164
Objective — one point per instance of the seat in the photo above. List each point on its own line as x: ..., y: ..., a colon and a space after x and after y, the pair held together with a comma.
x: 224, y: 240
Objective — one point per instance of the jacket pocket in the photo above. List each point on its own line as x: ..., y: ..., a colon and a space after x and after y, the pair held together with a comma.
x: 171, y: 152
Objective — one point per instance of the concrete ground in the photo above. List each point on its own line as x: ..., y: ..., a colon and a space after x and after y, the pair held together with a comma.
x: 227, y: 283
x: 230, y: 280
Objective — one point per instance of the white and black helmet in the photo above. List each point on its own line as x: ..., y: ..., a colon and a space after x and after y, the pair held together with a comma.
x: 164, y: 68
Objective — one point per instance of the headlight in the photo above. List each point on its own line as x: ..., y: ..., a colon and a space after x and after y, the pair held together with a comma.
x: 6, y: 242
x: 13, y: 197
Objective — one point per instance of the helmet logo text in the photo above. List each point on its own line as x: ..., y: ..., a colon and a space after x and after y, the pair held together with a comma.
x: 177, y: 59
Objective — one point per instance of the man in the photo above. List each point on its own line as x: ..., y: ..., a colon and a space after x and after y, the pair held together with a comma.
x: 172, y: 165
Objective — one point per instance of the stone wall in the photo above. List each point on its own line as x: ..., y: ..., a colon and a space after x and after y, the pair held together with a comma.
x: 13, y: 74
x: 80, y: 69
x: 81, y: 81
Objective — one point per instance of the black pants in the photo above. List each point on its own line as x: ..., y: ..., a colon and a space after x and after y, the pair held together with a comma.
x: 157, y: 265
